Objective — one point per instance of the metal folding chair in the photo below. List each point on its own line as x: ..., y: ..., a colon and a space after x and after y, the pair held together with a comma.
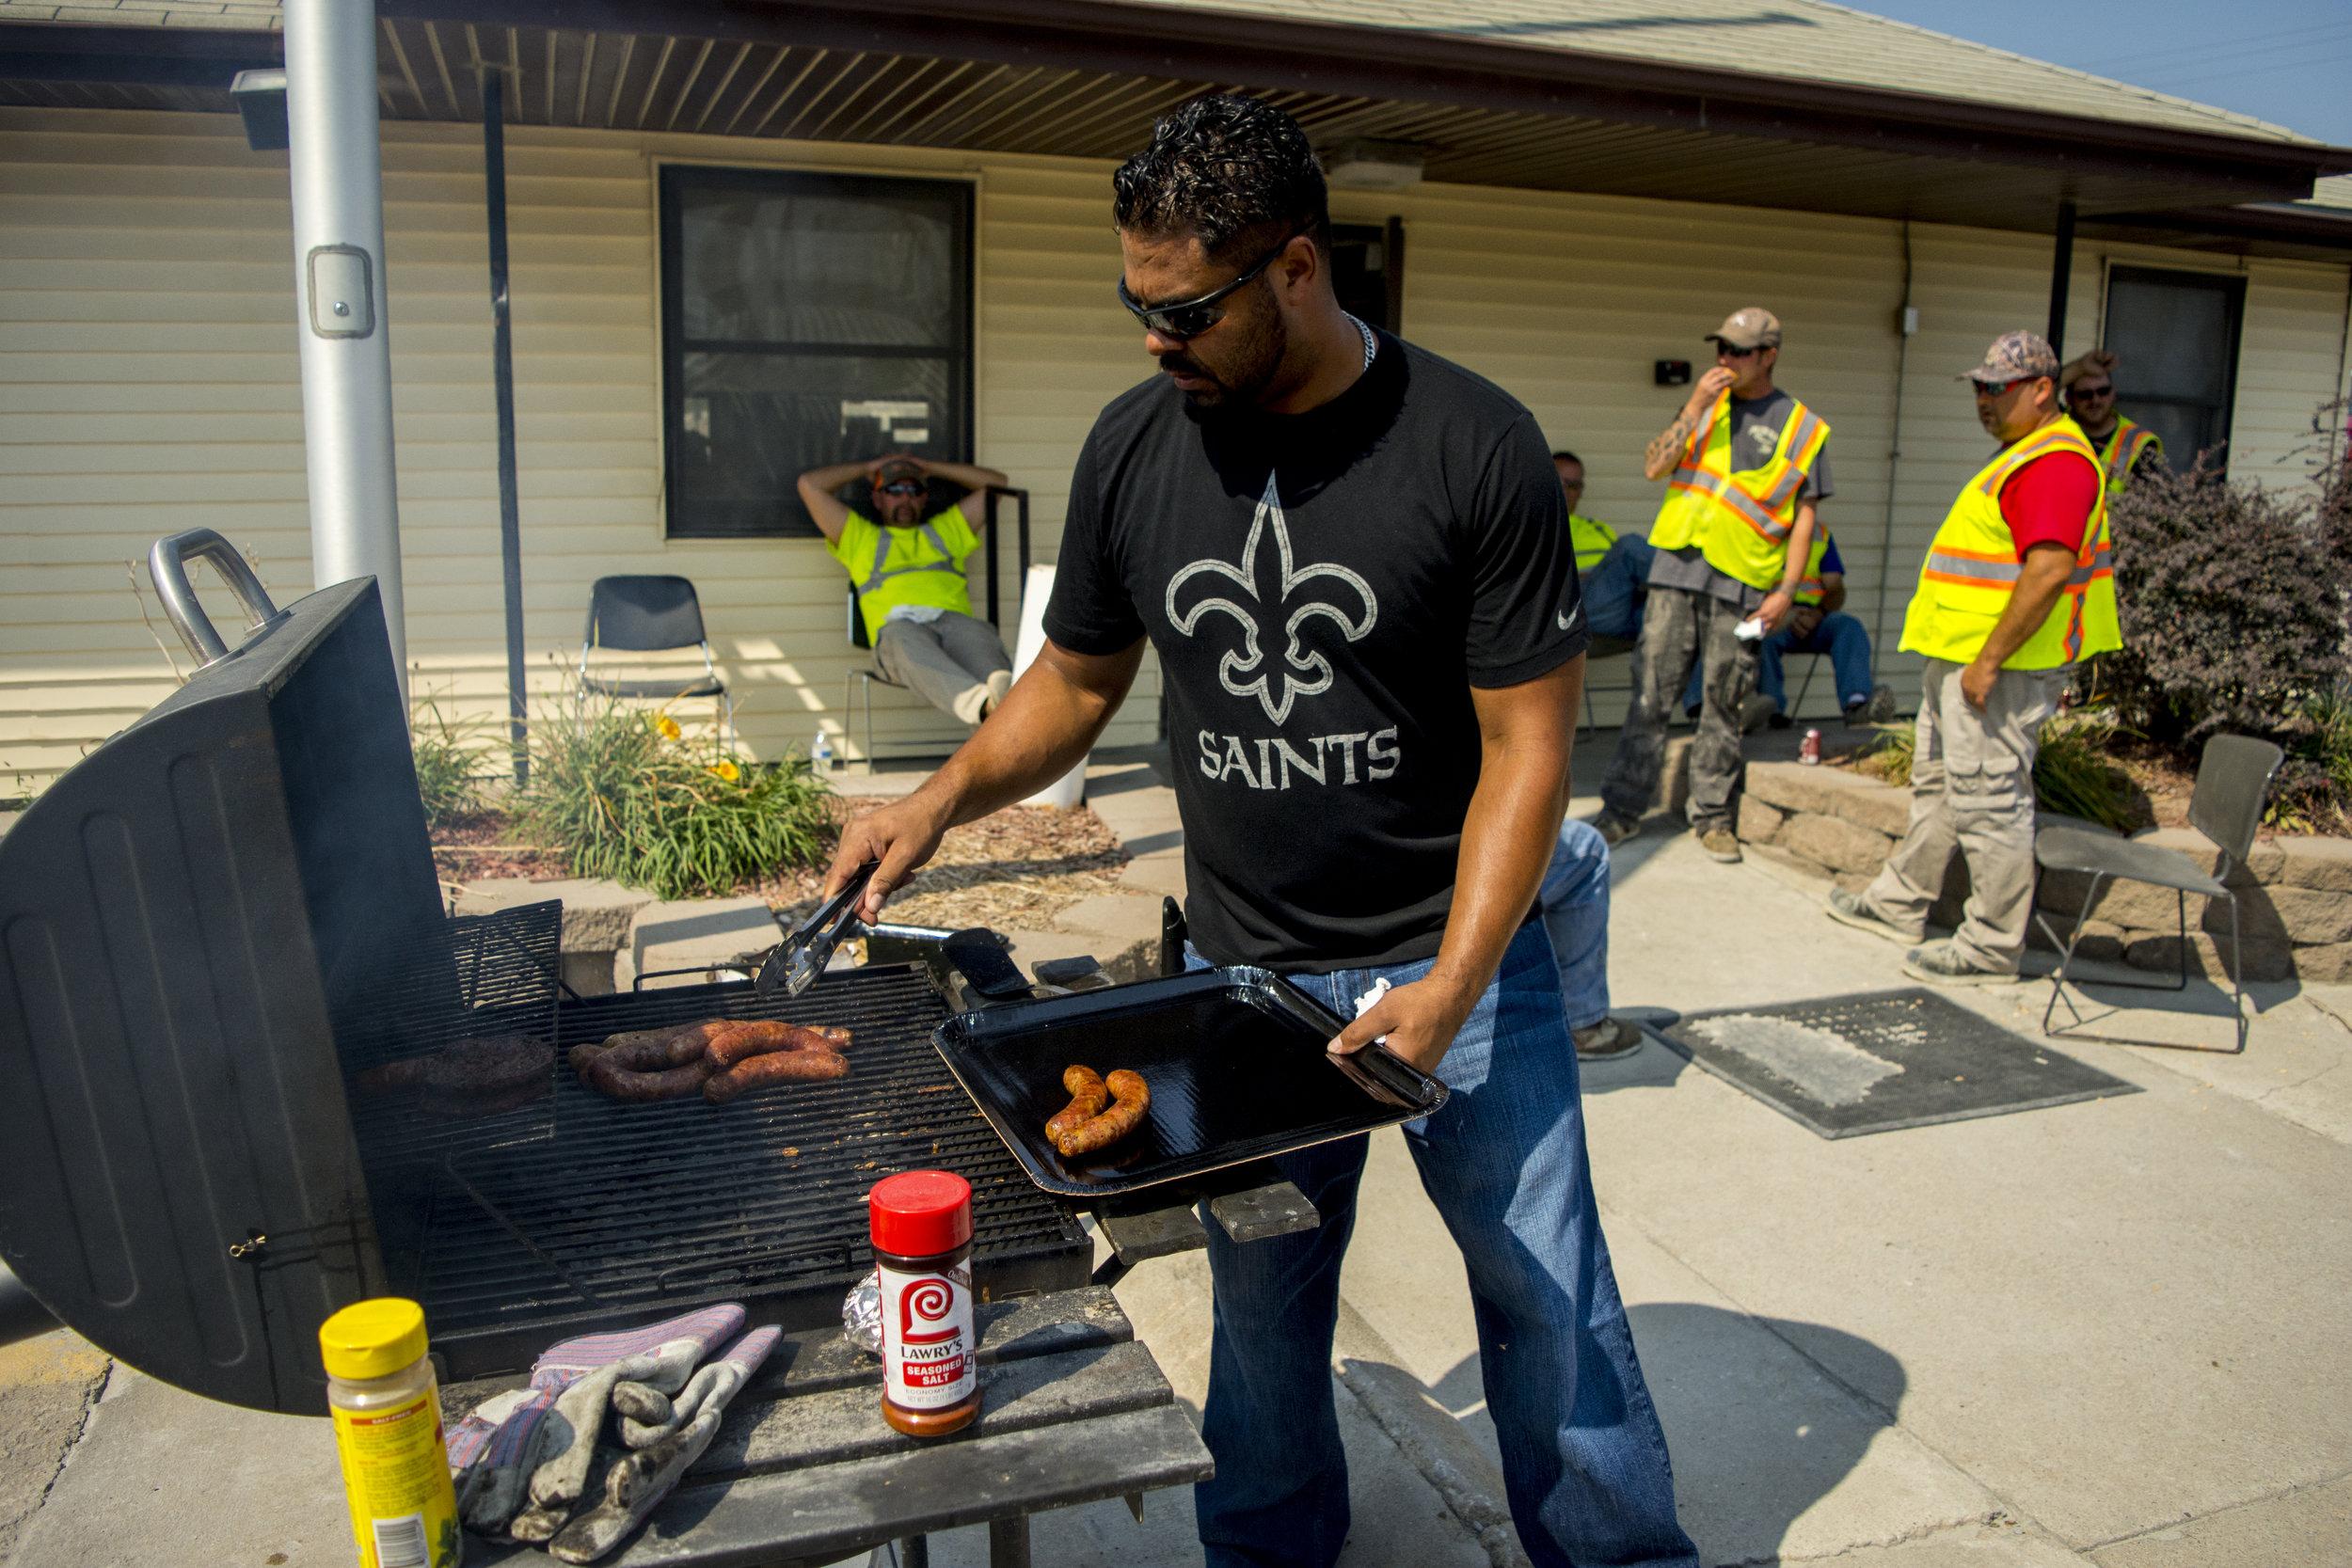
x: 862, y: 678
x: 2232, y: 779
x: 651, y: 615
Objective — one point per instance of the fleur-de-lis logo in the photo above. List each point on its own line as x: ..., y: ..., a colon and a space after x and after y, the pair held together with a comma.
x: 1268, y: 588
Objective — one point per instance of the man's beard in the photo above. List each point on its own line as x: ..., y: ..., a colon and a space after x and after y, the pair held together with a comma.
x: 1254, y: 360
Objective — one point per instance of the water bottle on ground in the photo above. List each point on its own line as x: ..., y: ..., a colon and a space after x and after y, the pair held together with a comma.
x: 820, y: 753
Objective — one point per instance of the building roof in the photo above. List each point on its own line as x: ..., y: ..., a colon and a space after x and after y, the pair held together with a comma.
x: 1797, y: 40
x: 1774, y: 103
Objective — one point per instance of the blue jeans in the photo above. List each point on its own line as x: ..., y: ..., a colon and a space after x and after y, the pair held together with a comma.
x: 1584, y: 1459
x: 1613, y: 589
x: 1574, y: 899
x: 1842, y: 638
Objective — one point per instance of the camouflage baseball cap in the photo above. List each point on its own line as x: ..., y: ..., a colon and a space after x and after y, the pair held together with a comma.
x: 898, y: 468
x: 2014, y: 357
x: 1751, y: 327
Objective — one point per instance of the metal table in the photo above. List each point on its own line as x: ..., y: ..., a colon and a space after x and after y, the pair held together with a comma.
x: 805, y: 1470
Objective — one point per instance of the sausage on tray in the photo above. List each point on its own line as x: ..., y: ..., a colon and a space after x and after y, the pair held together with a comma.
x: 741, y: 1041
x: 1130, y: 1100
x: 776, y: 1067
x: 1088, y: 1095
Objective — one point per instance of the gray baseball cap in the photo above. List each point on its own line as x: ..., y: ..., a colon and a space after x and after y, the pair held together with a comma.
x: 2014, y: 357
x: 1751, y: 327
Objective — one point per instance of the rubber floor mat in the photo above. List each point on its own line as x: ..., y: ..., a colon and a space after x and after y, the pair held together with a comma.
x: 1872, y: 1063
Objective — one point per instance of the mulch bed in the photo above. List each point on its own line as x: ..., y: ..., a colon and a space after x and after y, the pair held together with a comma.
x: 1015, y: 870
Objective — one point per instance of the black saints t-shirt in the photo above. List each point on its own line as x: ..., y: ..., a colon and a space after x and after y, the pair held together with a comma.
x: 1324, y: 589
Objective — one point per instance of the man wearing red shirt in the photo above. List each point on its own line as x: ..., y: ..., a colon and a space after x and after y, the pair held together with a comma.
x: 2015, y: 590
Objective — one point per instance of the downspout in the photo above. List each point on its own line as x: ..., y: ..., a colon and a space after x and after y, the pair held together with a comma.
x: 336, y: 175
x: 2062, y: 277
x: 1906, y: 323
x: 502, y: 381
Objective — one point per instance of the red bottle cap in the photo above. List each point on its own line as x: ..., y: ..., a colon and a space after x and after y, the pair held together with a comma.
x: 919, y: 1213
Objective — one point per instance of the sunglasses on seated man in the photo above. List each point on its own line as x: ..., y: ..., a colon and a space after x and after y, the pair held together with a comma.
x: 905, y: 487
x: 1192, y: 317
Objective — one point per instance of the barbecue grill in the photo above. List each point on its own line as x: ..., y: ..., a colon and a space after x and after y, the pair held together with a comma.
x: 221, y: 917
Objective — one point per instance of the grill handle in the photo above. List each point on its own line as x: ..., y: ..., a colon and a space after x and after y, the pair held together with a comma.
x: 167, y: 564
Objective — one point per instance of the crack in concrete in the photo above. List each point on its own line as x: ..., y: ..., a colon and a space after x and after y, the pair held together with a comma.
x: 2283, y: 1492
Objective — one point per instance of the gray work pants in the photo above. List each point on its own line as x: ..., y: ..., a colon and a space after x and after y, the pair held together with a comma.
x: 1677, y: 628
x: 1972, y: 789
x: 946, y: 662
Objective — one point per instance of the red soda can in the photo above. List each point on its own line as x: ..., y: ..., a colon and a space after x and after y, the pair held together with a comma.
x: 1809, y: 750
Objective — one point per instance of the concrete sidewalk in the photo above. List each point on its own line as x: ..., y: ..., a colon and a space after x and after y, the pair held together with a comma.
x: 2108, y: 1333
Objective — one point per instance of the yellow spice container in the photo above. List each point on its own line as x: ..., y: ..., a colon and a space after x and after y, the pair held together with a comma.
x: 387, y: 1407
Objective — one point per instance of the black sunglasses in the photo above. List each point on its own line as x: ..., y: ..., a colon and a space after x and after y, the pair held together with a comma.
x: 1192, y: 317
x: 904, y: 487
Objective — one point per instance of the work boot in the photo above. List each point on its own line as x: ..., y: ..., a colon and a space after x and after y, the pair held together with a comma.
x: 1756, y: 711
x: 1615, y: 827
x: 1877, y: 708
x: 1941, y: 963
x: 1848, y: 908
x: 1610, y: 1037
x: 1721, y: 843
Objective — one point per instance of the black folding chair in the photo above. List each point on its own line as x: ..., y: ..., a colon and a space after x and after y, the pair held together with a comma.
x: 2233, y: 781
x: 650, y: 614
x: 862, y: 677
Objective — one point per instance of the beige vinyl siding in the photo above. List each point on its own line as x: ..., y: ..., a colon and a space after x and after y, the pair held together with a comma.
x: 147, y: 383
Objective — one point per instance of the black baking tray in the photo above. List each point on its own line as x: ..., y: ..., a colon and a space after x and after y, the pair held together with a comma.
x: 1234, y: 1058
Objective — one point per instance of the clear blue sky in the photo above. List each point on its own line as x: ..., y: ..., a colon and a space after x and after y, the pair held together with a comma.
x: 2288, y: 61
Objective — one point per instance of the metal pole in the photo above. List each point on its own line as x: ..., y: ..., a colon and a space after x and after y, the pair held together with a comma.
x: 338, y: 180
x: 2061, y: 275
x: 503, y: 376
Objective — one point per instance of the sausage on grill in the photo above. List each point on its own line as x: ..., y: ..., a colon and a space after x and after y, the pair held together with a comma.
x: 776, y: 1067
x: 1088, y: 1095
x: 743, y: 1041
x: 1130, y: 1100
x: 646, y: 1063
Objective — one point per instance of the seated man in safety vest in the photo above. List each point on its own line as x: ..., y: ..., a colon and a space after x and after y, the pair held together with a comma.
x: 2126, y: 451
x: 1749, y: 468
x: 1818, y: 625
x: 2017, y: 588
x: 1613, y: 572
x: 909, y: 572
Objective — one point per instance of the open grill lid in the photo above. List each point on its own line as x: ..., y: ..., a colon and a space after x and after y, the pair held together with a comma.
x: 179, y: 915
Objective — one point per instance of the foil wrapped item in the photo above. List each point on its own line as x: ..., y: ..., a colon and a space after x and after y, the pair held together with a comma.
x: 860, y: 1314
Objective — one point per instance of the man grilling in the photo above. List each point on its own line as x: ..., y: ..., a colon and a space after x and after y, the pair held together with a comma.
x: 1354, y: 562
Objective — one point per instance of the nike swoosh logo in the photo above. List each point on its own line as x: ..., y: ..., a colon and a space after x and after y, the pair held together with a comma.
x: 1564, y: 625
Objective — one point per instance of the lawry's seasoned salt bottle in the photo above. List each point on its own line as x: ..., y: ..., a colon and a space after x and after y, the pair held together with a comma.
x: 387, y: 1407
x: 921, y: 1225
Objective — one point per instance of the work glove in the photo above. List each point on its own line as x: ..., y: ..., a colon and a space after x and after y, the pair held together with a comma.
x: 635, y: 1486
x: 550, y: 1430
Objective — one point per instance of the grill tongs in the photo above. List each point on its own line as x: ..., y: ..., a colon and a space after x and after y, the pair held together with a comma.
x: 802, y: 956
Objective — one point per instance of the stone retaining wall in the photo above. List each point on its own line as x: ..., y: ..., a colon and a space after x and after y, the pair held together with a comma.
x: 2295, y: 912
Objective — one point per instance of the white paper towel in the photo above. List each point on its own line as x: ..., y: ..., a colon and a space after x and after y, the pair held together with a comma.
x: 1071, y: 787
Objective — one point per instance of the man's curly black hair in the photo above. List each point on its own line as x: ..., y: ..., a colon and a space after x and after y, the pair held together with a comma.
x: 1235, y: 171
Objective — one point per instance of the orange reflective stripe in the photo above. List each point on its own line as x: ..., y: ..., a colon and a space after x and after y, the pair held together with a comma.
x: 1799, y: 464
x: 1727, y: 491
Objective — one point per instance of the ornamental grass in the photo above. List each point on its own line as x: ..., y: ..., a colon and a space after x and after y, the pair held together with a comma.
x: 626, y: 795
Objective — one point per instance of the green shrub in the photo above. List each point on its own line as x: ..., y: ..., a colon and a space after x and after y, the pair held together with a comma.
x: 447, y: 760
x: 2232, y: 606
x: 2312, y: 792
x: 2070, y: 772
x: 623, y: 794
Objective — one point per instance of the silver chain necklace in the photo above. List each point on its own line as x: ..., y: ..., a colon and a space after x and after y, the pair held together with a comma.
x: 1372, y: 344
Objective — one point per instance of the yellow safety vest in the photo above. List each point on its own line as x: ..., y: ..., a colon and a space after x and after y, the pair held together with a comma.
x: 1591, y: 540
x: 1971, y: 569
x: 918, y: 566
x: 1740, y: 520
x: 1809, y: 588
x: 2120, y: 455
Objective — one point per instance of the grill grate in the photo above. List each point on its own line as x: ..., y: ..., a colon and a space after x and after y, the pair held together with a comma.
x: 466, y: 977
x: 634, y: 1212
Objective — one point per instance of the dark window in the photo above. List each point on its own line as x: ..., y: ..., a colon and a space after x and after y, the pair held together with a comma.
x: 2175, y: 336
x: 806, y: 319
x: 1368, y: 271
